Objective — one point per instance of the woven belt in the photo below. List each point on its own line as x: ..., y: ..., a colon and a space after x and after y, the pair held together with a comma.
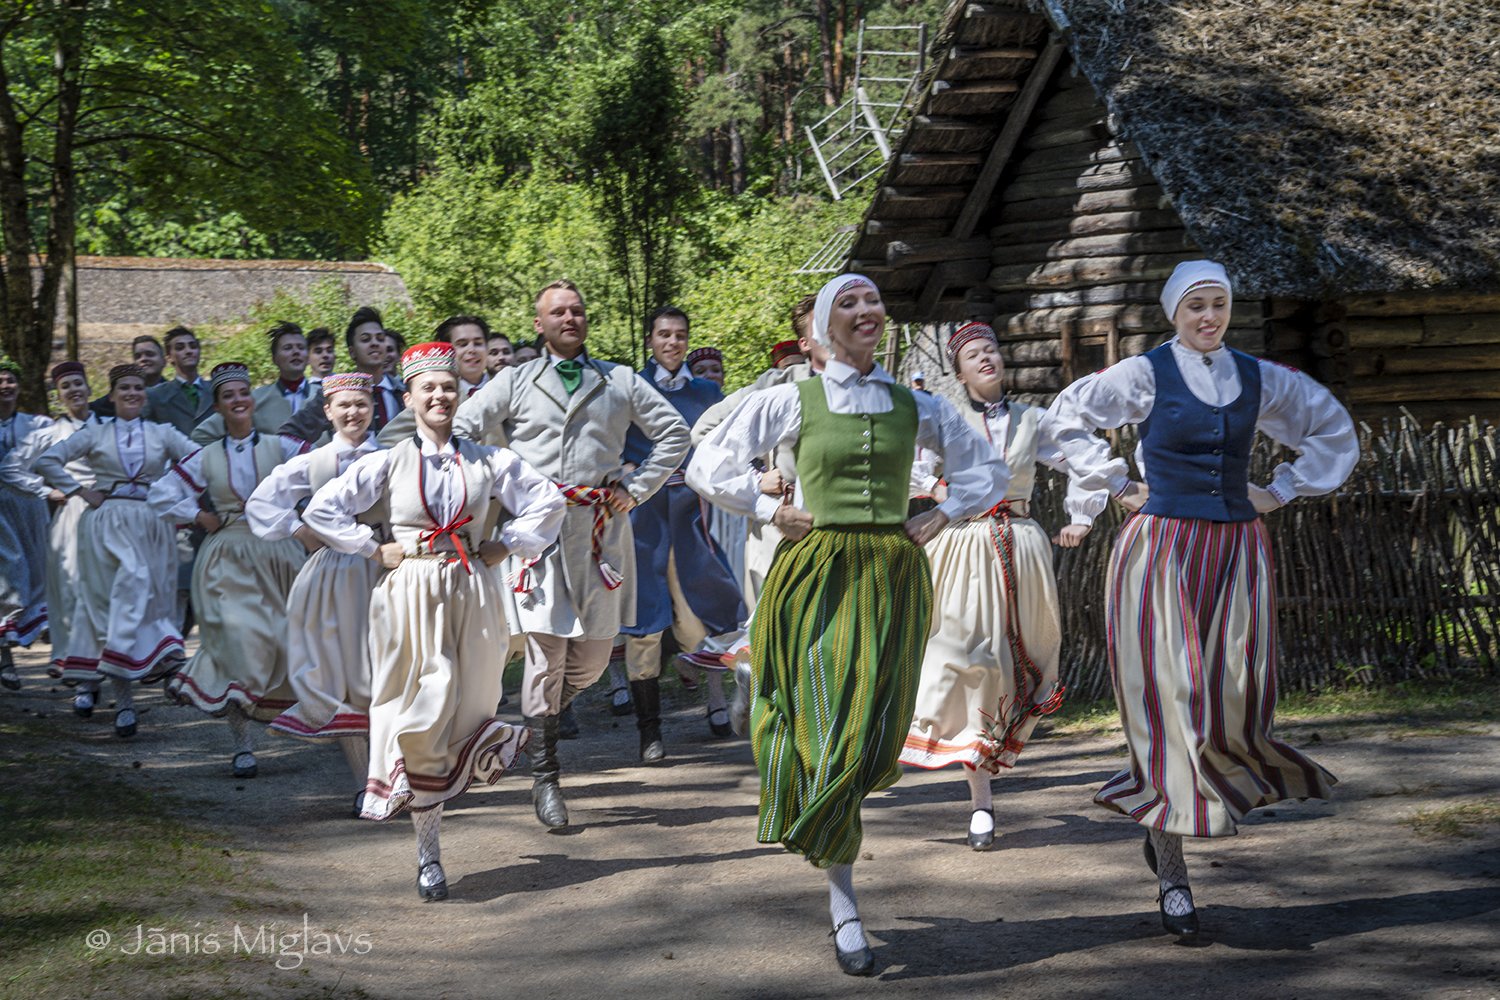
x: 597, y: 498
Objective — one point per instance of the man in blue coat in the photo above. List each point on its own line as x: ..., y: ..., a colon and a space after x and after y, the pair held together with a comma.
x: 683, y: 580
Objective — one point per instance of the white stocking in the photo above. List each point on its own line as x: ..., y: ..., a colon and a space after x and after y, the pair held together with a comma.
x: 239, y: 727
x: 124, y: 697
x: 357, y: 753
x: 428, y: 823
x: 1171, y: 870
x: 842, y: 907
x: 980, y: 798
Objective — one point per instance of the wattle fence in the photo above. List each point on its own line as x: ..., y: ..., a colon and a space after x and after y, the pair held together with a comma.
x: 1394, y: 577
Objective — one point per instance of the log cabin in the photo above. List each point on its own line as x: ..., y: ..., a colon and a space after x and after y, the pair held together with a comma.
x: 1341, y: 159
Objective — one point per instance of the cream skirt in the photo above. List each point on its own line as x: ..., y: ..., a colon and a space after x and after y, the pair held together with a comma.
x: 437, y: 641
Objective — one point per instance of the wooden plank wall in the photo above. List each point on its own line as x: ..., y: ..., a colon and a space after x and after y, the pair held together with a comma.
x: 1082, y: 239
x: 1434, y: 355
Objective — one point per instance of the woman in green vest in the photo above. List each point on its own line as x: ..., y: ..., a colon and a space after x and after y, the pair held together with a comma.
x: 838, y: 633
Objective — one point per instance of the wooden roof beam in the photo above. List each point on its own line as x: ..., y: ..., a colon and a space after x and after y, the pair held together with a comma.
x: 994, y: 165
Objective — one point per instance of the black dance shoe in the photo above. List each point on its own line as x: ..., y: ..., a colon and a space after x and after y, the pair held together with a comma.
x: 721, y: 730
x: 852, y: 963
x: 982, y: 841
x: 83, y: 704
x: 432, y: 883
x: 244, y: 765
x: 9, y: 679
x: 1185, y: 927
x: 125, y: 723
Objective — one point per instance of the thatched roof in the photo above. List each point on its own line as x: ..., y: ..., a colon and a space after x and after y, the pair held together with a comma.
x: 1316, y: 148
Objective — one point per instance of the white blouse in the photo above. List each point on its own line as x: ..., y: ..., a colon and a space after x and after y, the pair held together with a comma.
x: 538, y: 504
x: 130, y: 444
x: 720, y: 469
x: 1295, y: 411
x: 175, y: 497
x: 272, y: 508
x: 16, y: 471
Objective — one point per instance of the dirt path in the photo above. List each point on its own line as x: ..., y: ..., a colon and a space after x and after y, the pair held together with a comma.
x: 660, y: 890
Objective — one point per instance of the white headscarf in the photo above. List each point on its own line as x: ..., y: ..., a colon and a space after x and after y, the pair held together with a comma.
x: 1189, y: 276
x: 836, y: 286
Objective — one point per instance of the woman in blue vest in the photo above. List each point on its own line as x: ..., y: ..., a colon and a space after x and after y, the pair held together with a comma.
x: 836, y: 643
x: 1191, y: 591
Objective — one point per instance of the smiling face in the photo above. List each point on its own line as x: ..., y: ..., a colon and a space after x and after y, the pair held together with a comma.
x: 368, y: 348
x: 129, y: 396
x: 711, y: 369
x: 1202, y: 318
x: 73, y: 392
x: 469, y: 349
x: 350, y: 412
x: 668, y: 341
x: 150, y: 359
x: 321, y: 357
x: 236, y: 405
x: 10, y: 391
x: 562, y: 322
x: 980, y: 368
x: 184, y: 352
x: 433, y: 397
x: 855, y: 325
x: 290, y: 356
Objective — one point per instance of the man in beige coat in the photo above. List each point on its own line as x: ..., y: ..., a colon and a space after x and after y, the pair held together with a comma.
x: 566, y: 414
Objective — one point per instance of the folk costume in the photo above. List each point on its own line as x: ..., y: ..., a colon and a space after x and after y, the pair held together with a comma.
x: 275, y: 403
x: 62, y: 567
x: 568, y: 418
x: 311, y: 424
x: 437, y: 621
x: 990, y: 669
x: 240, y: 583
x: 673, y: 545
x: 124, y: 621
x: 328, y: 608
x: 23, y: 527
x: 1191, y: 588
x: 837, y: 635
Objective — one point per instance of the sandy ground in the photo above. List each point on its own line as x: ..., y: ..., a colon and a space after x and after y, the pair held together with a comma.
x: 660, y: 890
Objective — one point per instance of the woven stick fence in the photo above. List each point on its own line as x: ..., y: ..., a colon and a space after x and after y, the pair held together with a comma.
x: 1394, y: 577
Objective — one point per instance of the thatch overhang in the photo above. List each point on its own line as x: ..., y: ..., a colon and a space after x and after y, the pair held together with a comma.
x: 1320, y: 151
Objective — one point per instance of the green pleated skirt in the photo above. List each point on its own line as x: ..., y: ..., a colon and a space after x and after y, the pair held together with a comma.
x: 836, y: 647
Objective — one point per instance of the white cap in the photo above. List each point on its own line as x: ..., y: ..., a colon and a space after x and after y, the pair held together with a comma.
x: 1190, y: 275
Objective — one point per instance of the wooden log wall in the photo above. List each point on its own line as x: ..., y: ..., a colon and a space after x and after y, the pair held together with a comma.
x: 1433, y: 355
x: 1083, y: 238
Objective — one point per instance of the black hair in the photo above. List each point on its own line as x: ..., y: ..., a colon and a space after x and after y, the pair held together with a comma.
x: 362, y: 315
x: 670, y: 311
x: 173, y: 334
x: 444, y: 332
x: 496, y: 335
x: 285, y: 328
x: 318, y: 335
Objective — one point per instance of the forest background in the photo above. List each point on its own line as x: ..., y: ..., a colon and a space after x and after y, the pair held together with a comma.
x: 652, y: 151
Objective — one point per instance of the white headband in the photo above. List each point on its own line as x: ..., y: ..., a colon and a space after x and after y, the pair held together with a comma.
x: 1191, y: 275
x: 836, y: 286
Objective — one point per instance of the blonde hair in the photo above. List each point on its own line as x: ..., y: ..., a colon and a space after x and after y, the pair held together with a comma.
x: 562, y: 283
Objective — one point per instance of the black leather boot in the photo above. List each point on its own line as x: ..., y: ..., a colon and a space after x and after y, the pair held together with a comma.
x: 646, y: 696
x: 546, y: 794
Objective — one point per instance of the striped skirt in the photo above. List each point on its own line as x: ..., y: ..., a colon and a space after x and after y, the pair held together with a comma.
x: 836, y: 652
x: 1192, y: 637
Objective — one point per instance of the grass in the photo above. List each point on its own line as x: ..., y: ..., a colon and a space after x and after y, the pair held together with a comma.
x: 1458, y: 820
x: 1421, y: 709
x: 83, y: 849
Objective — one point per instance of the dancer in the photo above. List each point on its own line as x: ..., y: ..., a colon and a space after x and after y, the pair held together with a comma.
x: 370, y: 347
x: 240, y: 583
x: 436, y: 621
x: 322, y: 355
x: 990, y: 669
x: 707, y: 362
x: 837, y: 637
x: 145, y: 353
x: 62, y: 570
x: 1191, y: 590
x: 566, y: 414
x: 275, y: 402
x: 672, y: 545
x: 23, y: 513
x: 186, y: 400
x: 123, y: 626
x: 328, y: 609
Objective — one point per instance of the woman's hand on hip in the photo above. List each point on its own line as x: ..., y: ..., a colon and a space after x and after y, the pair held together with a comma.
x: 925, y: 527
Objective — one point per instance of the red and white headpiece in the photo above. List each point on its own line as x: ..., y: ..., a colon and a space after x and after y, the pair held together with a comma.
x: 347, y: 382
x: 229, y: 371
x: 967, y: 333
x: 704, y: 352
x: 430, y: 357
x: 784, y: 350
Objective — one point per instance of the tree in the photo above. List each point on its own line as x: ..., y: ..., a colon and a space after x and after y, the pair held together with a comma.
x: 188, y: 102
x: 630, y: 152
